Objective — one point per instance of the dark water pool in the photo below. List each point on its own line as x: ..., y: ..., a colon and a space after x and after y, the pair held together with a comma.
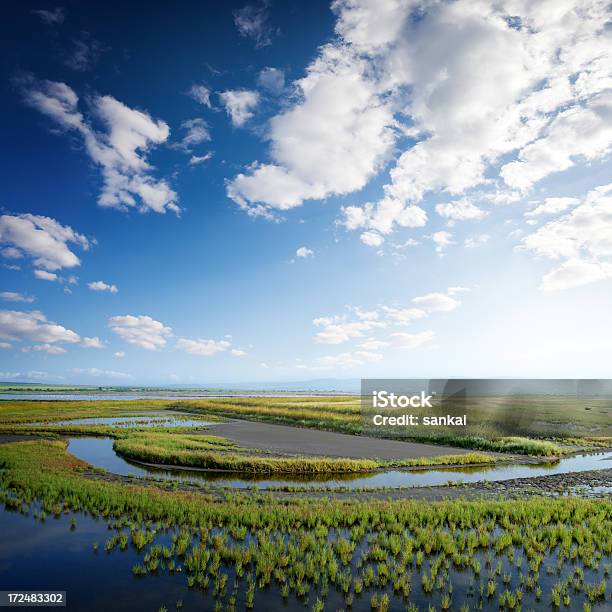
x: 49, y: 555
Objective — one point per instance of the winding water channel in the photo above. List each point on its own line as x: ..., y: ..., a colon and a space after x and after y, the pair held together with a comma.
x: 99, y: 452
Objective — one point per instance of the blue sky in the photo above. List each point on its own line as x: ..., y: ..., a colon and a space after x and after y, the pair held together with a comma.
x: 218, y: 192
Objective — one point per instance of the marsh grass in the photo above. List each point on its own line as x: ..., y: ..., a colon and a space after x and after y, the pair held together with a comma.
x: 216, y: 453
x: 395, y: 554
x: 534, y: 422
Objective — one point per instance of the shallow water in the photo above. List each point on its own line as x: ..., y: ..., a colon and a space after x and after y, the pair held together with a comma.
x: 92, y: 397
x: 138, y: 420
x: 99, y: 452
x: 50, y: 555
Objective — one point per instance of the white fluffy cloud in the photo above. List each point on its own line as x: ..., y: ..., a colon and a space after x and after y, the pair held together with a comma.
x: 304, y: 252
x: 489, y: 94
x: 460, y: 210
x: 358, y: 324
x: 92, y: 342
x: 552, y: 206
x: 202, y: 347
x: 102, y: 286
x: 14, y: 296
x: 581, y: 132
x: 403, y: 316
x: 33, y: 326
x: 581, y: 239
x: 342, y: 328
x: 120, y: 151
x: 43, y: 239
x: 239, y: 105
x: 332, y: 141
x: 436, y: 302
x: 51, y: 349
x: 575, y: 273
x: 44, y: 275
x: 442, y: 239
x: 142, y: 331
x: 379, y: 219
x: 196, y: 132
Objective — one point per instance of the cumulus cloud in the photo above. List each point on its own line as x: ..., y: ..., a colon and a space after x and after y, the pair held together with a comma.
x: 199, y: 346
x: 380, y: 219
x: 142, y: 331
x: 92, y: 342
x: 436, y: 302
x: 51, y: 349
x: 332, y: 141
x: 14, y: 296
x: 552, y: 206
x: 423, y: 71
x: 304, y: 252
x: 363, y: 324
x: 581, y: 239
x: 239, y: 105
x: 252, y: 21
x: 43, y: 239
x: 238, y: 352
x: 342, y: 328
x: 442, y: 239
x: 403, y: 316
x: 120, y: 151
x: 196, y: 132
x: 102, y: 286
x: 460, y: 210
x: 44, y: 275
x: 33, y: 326
x: 575, y: 273
x: 119, y: 354
x: 372, y: 239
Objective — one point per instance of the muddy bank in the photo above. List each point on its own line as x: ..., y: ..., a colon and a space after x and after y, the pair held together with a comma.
x: 596, y: 483
x: 302, y: 441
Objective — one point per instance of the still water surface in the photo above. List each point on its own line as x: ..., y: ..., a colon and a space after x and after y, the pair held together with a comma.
x: 100, y: 453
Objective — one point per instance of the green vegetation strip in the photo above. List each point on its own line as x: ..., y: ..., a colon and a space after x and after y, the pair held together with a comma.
x: 203, y: 452
x: 540, y: 426
x: 492, y: 554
